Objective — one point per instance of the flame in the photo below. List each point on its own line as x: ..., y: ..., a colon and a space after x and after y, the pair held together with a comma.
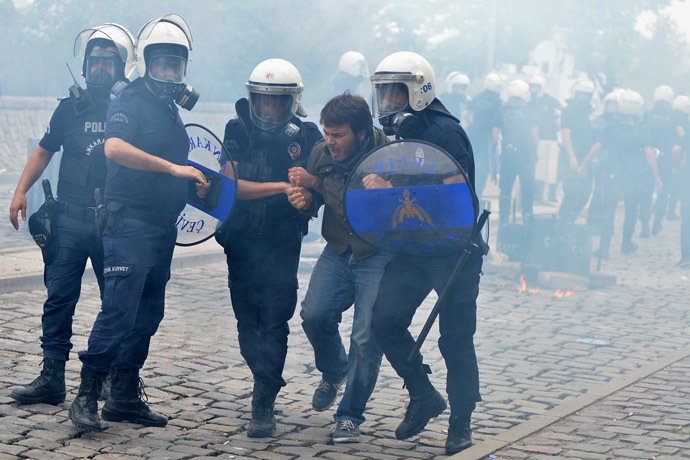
x: 523, y: 285
x: 501, y: 285
x: 559, y: 294
x: 532, y: 291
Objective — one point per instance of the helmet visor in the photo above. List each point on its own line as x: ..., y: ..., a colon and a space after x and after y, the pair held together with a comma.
x: 101, y: 69
x: 269, y: 111
x: 167, y: 68
x: 389, y: 98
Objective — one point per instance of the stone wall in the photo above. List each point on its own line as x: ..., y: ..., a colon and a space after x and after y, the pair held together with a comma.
x: 24, y: 118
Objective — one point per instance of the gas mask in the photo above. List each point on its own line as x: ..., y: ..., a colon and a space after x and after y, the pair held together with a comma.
x: 402, y: 124
x: 165, y: 74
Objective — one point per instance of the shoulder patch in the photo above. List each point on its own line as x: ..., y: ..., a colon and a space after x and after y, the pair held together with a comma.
x: 118, y: 117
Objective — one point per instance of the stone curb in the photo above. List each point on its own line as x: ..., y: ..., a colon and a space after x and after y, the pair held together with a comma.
x: 539, y: 422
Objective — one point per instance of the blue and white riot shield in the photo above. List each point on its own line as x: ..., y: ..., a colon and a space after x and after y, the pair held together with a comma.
x: 206, y: 211
x: 411, y: 197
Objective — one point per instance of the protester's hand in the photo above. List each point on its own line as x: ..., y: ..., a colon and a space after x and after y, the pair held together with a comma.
x: 18, y: 204
x: 202, y: 189
x: 299, y: 197
x: 373, y: 181
x: 301, y: 178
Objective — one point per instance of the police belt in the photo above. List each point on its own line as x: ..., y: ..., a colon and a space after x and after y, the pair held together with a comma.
x: 77, y: 212
x: 153, y: 218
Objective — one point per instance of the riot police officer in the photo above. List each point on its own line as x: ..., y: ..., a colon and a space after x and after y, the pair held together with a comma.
x: 577, y: 137
x: 483, y: 111
x: 665, y: 128
x: 146, y: 188
x: 519, y: 133
x: 547, y: 110
x: 405, y: 104
x: 263, y: 239
x: 77, y: 125
x: 353, y: 75
x: 456, y: 98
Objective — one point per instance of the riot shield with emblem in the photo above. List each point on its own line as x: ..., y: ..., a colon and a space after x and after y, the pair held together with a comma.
x: 411, y: 197
x: 206, y: 212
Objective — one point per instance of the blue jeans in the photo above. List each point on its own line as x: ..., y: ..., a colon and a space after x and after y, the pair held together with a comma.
x: 136, y: 270
x: 338, y: 281
x: 77, y: 241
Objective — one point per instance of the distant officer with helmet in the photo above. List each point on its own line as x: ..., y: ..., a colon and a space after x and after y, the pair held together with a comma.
x: 547, y: 109
x: 77, y: 125
x: 665, y: 128
x: 681, y: 107
x: 577, y: 137
x: 146, y: 188
x: 353, y: 75
x: 456, y: 98
x: 628, y: 160
x: 405, y: 104
x: 483, y: 111
x: 263, y: 239
x: 681, y: 179
x: 519, y: 129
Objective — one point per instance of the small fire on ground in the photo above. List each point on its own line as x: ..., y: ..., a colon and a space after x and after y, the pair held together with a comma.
x: 522, y: 288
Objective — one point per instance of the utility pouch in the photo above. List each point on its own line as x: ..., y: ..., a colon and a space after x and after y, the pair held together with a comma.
x: 114, y: 209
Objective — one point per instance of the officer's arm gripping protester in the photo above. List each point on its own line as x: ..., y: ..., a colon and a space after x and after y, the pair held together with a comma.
x: 146, y: 188
x: 263, y: 240
x: 348, y: 270
x: 77, y: 125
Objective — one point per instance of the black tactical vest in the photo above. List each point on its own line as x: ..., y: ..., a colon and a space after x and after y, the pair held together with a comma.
x: 82, y: 168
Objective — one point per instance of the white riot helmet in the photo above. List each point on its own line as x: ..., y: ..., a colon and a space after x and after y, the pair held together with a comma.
x: 682, y: 103
x: 537, y: 82
x: 493, y: 82
x: 631, y: 103
x: 611, y: 100
x: 582, y: 85
x: 403, y: 80
x: 162, y: 51
x: 663, y: 93
x: 518, y: 89
x: 353, y: 63
x: 456, y: 78
x: 102, y: 68
x: 274, y: 92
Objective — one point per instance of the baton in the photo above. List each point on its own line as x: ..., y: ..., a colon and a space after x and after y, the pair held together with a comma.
x: 467, y: 251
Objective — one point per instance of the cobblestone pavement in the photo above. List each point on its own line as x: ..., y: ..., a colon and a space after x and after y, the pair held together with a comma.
x: 537, y: 350
x: 647, y: 420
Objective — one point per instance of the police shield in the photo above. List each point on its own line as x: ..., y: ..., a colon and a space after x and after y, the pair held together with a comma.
x: 413, y: 198
x: 205, y: 212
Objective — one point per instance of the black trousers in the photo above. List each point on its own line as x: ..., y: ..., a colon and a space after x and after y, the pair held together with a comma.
x: 405, y: 284
x: 262, y: 277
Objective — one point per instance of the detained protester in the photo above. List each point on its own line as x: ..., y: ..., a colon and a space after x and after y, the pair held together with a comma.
x: 348, y: 270
x: 519, y: 129
x: 263, y: 238
x: 77, y: 125
x: 577, y: 137
x: 146, y: 187
x: 405, y: 104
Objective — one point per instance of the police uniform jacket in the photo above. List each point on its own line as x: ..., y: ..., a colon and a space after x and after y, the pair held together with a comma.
x: 335, y: 228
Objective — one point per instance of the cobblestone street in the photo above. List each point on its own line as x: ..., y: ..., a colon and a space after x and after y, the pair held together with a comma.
x: 538, y: 351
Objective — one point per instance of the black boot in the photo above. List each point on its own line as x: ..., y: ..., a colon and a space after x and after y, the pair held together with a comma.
x: 425, y: 404
x: 49, y: 387
x: 263, y: 421
x: 125, y: 401
x: 84, y: 410
x: 459, y: 434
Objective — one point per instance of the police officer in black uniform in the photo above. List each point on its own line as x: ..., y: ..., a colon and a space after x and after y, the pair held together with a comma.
x: 520, y: 133
x: 404, y: 92
x: 665, y: 128
x: 146, y: 187
x: 77, y: 125
x: 483, y: 111
x: 263, y: 238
